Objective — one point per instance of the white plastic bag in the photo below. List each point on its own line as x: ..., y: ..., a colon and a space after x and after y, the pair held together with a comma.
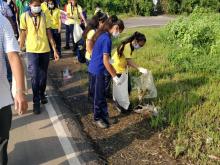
x: 146, y: 87
x: 120, y: 92
x: 77, y: 32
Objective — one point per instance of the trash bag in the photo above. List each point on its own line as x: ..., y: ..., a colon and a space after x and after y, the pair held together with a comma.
x: 120, y: 92
x: 77, y: 32
x: 146, y: 87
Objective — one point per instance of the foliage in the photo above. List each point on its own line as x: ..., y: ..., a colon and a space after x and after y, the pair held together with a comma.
x: 196, y: 42
x: 189, y: 101
x: 187, y: 6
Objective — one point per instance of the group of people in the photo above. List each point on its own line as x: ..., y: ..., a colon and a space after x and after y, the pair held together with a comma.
x: 36, y: 25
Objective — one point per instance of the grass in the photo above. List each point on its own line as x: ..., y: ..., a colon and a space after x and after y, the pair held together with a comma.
x: 189, y: 102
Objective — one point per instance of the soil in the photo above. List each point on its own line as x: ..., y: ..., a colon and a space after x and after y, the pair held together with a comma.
x: 131, y: 141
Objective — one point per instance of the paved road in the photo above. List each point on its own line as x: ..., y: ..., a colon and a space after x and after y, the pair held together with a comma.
x: 54, y: 136
x: 148, y: 21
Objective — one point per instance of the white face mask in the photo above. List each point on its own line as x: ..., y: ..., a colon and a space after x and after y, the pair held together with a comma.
x: 136, y: 46
x: 51, y: 6
x: 115, y: 34
x: 35, y: 10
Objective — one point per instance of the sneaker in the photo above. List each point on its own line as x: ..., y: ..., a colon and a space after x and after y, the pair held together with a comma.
x: 101, y: 124
x: 36, y: 109
x: 44, y: 100
x: 110, y: 121
x: 66, y: 47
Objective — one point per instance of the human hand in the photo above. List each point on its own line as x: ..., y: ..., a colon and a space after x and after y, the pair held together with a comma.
x: 143, y: 70
x: 21, y: 104
x: 56, y: 56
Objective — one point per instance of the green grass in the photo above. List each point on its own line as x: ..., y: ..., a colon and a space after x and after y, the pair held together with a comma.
x: 189, y: 102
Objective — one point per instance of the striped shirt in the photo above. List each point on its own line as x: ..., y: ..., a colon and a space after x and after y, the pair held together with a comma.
x: 5, y: 9
x: 8, y: 43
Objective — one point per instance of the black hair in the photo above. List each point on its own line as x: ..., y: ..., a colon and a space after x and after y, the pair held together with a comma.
x: 136, y: 36
x: 102, y: 16
x: 109, y: 23
x: 97, y: 4
x: 55, y: 6
x: 92, y: 24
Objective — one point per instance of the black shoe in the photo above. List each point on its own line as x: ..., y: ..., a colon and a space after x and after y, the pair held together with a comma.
x: 44, y: 100
x: 36, y: 109
x: 66, y: 47
x: 110, y: 121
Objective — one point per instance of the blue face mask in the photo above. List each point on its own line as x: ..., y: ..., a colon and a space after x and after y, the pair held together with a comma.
x: 136, y: 46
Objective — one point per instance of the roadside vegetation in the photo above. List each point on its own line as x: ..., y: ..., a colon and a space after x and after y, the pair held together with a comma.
x: 184, y: 58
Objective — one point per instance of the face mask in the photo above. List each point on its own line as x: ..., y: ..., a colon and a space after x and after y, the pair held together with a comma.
x: 115, y: 34
x: 136, y: 46
x: 36, y: 10
x: 51, y: 6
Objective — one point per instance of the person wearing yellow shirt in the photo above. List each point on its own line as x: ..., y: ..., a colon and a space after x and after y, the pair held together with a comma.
x: 122, y: 59
x: 35, y: 30
x: 45, y: 10
x: 54, y: 12
x: 74, y: 14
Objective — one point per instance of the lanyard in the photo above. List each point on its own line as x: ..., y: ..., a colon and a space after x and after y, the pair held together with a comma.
x: 36, y: 25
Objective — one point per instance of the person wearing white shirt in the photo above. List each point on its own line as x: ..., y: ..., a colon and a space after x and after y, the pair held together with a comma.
x: 9, y: 46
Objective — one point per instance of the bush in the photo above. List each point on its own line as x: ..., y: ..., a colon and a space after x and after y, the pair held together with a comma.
x: 196, y: 42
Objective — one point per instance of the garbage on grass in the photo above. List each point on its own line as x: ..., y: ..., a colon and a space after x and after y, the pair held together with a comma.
x: 66, y: 74
x: 151, y: 109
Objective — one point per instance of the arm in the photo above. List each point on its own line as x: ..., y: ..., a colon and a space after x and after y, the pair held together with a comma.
x: 60, y: 25
x: 53, y: 45
x: 89, y: 46
x: 18, y: 73
x: 108, y: 66
x: 22, y: 38
x: 131, y: 63
x: 83, y: 18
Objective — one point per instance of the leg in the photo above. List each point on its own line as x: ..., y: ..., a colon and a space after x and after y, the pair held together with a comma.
x: 108, y: 85
x: 71, y: 33
x: 57, y: 38
x: 67, y: 36
x: 129, y: 84
x: 100, y: 104
x: 34, y: 69
x: 5, y: 125
x: 91, y: 86
x: 43, y: 67
x: 51, y: 49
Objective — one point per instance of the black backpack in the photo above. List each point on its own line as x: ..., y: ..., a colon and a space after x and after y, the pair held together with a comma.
x: 81, y: 51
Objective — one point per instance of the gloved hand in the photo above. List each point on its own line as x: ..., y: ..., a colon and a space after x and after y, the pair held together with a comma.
x: 118, y: 80
x: 143, y: 70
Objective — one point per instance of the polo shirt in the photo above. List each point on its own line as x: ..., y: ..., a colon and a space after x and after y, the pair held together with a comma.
x: 36, y: 39
x: 102, y: 45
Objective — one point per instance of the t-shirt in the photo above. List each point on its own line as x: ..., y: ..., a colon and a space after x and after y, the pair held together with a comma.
x: 102, y: 45
x: 74, y: 12
x: 36, y: 39
x: 8, y: 43
x: 46, y: 11
x: 89, y: 37
x: 120, y: 63
x: 55, y: 18
x: 22, y: 6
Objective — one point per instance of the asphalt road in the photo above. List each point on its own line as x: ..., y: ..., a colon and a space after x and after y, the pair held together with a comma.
x: 54, y: 137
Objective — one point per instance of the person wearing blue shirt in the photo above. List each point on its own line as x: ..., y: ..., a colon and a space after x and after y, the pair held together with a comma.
x: 99, y: 64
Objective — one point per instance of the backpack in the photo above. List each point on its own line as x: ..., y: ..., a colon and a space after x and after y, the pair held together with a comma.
x: 81, y: 51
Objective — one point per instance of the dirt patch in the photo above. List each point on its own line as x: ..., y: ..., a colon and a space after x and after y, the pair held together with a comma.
x: 130, y: 141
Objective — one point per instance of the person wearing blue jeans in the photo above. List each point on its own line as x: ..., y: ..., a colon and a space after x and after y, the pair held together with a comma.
x: 57, y: 38
x: 37, y: 68
x: 98, y: 66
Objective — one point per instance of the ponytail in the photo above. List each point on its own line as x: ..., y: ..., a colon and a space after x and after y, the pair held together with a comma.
x: 136, y: 36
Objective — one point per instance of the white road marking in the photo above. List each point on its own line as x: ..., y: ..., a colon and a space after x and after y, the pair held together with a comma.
x: 71, y: 155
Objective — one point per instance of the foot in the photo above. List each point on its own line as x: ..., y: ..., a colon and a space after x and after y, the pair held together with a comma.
x: 36, y: 109
x: 101, y: 124
x: 44, y: 100
x: 110, y: 121
x: 66, y: 47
